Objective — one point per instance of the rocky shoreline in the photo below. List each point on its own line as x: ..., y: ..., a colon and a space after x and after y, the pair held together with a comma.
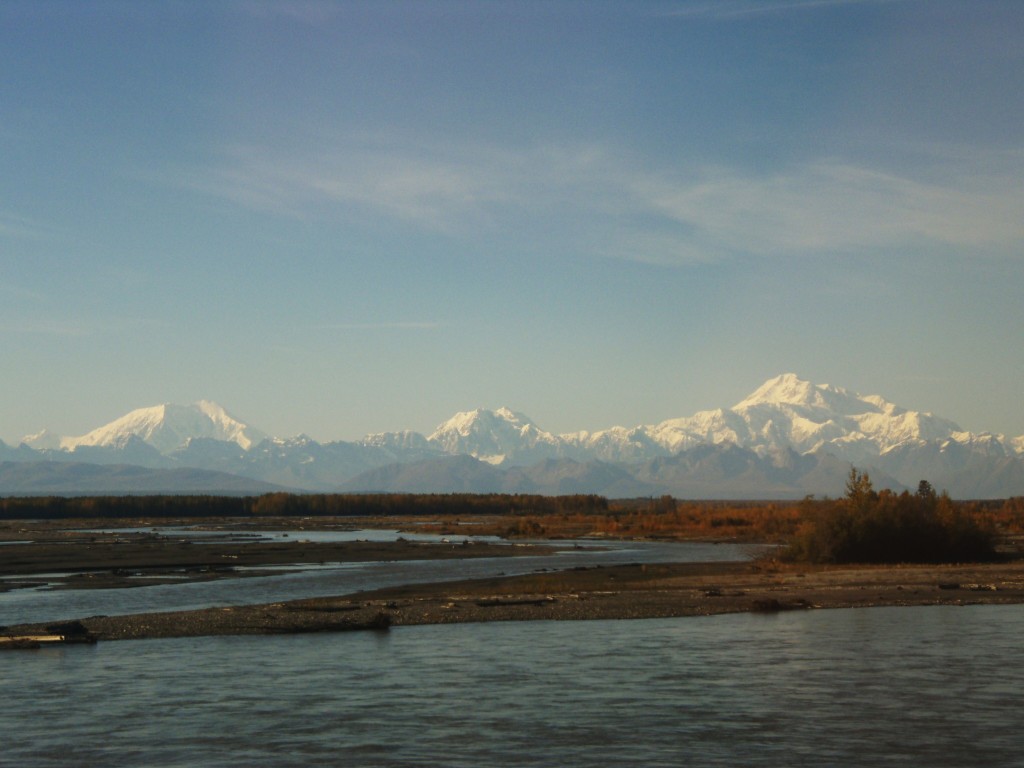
x: 91, y: 559
x: 614, y: 592
x: 97, y: 559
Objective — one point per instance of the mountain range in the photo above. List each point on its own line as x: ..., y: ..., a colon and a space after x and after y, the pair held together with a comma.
x: 787, y: 439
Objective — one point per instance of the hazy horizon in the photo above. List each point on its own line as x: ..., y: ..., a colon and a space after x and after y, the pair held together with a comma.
x: 336, y: 218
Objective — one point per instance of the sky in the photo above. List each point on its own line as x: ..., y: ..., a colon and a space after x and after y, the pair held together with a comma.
x: 336, y: 218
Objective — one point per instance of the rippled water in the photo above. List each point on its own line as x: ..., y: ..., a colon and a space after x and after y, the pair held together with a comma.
x: 870, y: 687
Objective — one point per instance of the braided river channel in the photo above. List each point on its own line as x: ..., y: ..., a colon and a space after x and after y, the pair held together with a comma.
x: 922, y: 686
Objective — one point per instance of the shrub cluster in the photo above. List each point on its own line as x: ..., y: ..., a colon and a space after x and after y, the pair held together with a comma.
x: 666, y: 517
x: 885, y: 527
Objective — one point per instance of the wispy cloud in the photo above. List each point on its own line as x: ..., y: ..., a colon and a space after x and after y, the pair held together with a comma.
x: 433, y: 192
x: 441, y: 188
x: 611, y: 205
x: 833, y: 206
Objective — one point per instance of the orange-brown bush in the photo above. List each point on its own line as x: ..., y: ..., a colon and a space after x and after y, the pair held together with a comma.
x: 666, y: 518
x: 885, y: 527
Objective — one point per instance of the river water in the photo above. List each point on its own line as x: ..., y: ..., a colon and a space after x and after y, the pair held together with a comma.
x: 936, y: 686
x: 22, y: 606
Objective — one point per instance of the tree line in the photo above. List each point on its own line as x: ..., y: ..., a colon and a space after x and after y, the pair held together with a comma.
x: 865, y: 525
x: 294, y: 505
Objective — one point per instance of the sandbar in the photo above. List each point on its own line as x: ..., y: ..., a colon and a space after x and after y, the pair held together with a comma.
x: 612, y: 592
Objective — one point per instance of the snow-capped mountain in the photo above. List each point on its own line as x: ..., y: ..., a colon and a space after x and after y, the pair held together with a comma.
x: 784, y: 413
x: 165, y: 427
x: 617, y: 444
x: 788, y: 437
x: 784, y: 416
x: 399, y: 442
x: 788, y: 412
x: 44, y: 440
x: 497, y: 437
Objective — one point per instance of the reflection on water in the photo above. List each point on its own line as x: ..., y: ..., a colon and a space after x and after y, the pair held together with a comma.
x: 871, y: 687
x: 36, y: 605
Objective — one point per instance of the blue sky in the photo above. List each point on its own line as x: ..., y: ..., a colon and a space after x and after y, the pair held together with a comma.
x: 343, y: 217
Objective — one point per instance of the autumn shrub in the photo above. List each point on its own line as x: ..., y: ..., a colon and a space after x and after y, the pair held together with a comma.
x: 885, y: 527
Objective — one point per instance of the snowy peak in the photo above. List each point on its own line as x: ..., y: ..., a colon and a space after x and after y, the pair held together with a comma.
x: 784, y: 413
x: 222, y: 421
x: 790, y: 412
x: 474, y: 422
x: 494, y: 436
x: 789, y: 389
x: 44, y: 440
x: 142, y: 422
x: 167, y: 427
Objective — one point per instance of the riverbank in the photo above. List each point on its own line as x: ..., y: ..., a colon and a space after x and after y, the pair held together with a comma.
x: 98, y: 556
x: 614, y: 592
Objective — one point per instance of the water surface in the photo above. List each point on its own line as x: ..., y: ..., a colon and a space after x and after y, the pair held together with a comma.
x: 936, y: 686
x: 20, y: 606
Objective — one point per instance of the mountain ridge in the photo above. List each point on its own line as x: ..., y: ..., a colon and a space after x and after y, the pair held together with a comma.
x: 784, y: 414
x: 165, y: 427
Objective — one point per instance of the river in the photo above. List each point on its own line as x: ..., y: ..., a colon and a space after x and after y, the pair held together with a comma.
x: 22, y: 606
x: 924, y: 686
